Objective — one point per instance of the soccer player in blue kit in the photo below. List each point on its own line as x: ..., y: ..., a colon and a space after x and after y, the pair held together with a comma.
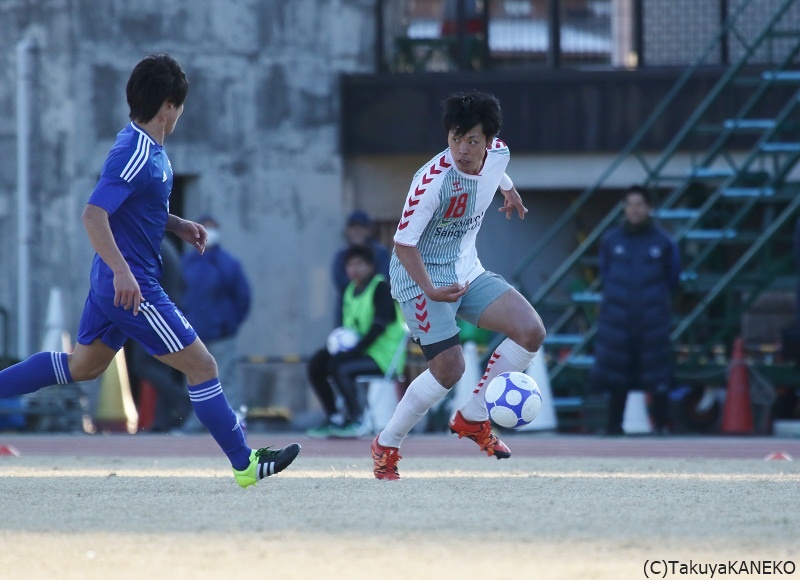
x: 436, y: 276
x: 126, y: 218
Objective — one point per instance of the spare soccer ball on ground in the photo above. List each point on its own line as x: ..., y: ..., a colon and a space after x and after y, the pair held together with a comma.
x: 513, y: 399
x: 342, y: 339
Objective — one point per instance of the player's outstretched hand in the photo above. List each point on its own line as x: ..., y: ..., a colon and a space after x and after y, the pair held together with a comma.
x: 192, y: 233
x: 126, y: 292
x: 449, y: 293
x: 512, y: 202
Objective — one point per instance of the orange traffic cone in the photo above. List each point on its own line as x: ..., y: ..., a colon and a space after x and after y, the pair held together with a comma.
x: 116, y: 410
x: 737, y: 415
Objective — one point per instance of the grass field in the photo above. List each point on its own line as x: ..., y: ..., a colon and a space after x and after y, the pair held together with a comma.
x: 100, y: 512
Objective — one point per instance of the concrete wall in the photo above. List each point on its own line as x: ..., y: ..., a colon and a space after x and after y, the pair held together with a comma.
x: 257, y: 145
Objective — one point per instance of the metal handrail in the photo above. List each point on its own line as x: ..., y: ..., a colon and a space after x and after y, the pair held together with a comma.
x: 630, y: 149
x: 751, y: 252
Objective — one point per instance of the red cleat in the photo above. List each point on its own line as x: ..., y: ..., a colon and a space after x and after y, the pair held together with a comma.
x: 385, y: 459
x: 480, y: 433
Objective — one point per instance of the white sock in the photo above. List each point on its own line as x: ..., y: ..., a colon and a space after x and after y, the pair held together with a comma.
x: 422, y: 394
x: 507, y: 357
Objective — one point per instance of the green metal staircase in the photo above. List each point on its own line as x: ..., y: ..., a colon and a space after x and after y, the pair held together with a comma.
x: 732, y: 211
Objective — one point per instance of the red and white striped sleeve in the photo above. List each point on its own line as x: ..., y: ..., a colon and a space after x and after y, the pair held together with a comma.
x: 422, y: 201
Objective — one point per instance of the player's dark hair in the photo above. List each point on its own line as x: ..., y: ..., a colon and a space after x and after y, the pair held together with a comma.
x: 462, y: 111
x: 157, y: 78
x: 639, y: 190
x: 363, y: 252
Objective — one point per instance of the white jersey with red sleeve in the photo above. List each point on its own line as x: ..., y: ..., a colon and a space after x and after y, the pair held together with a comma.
x: 441, y: 218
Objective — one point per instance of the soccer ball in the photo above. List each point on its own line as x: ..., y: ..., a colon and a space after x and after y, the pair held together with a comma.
x: 342, y: 339
x: 513, y: 399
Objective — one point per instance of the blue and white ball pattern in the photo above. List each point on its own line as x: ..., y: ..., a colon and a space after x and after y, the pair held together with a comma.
x: 513, y: 399
x: 342, y: 339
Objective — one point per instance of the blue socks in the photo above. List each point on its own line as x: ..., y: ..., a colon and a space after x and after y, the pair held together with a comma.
x: 213, y: 410
x: 50, y: 368
x: 36, y: 372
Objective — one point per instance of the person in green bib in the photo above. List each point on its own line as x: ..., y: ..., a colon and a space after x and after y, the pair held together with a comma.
x: 369, y: 309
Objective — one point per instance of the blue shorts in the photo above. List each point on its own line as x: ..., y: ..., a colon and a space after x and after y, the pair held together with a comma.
x: 160, y: 326
x: 431, y: 322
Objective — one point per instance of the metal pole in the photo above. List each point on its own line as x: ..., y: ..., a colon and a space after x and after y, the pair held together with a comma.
x: 24, y: 81
x: 461, y: 35
x: 554, y: 30
x: 380, y: 56
x: 487, y: 57
x: 638, y: 31
x: 724, y: 48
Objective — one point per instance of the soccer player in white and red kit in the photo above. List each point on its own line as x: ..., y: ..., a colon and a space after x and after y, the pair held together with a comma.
x: 436, y: 276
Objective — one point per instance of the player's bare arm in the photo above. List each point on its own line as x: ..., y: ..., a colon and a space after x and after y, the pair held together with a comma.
x: 126, y: 289
x: 411, y: 260
x: 512, y: 201
x: 189, y: 231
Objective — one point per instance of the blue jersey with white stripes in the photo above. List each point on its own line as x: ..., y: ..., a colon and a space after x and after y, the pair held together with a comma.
x: 134, y: 189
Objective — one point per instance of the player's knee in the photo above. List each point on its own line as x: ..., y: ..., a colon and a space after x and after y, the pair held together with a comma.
x: 532, y: 336
x: 450, y: 373
x: 450, y: 377
x: 203, y: 370
x: 82, y: 371
x: 195, y: 377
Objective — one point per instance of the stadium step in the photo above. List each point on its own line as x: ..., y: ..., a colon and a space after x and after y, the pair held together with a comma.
x: 676, y: 213
x: 712, y: 172
x: 584, y: 361
x: 782, y: 76
x: 563, y: 339
x: 587, y: 297
x: 749, y: 124
x: 780, y: 147
x: 710, y: 234
x: 748, y: 192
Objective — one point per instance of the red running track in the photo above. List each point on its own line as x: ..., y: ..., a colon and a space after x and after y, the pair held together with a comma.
x: 523, y: 445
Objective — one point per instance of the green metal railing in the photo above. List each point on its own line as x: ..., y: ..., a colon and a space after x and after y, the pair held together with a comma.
x: 631, y: 149
x: 725, y: 179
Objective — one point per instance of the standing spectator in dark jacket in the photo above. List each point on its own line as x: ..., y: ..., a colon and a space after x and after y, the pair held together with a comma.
x: 640, y: 269
x: 216, y: 299
x: 791, y: 334
x: 357, y: 232
x: 796, y: 252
